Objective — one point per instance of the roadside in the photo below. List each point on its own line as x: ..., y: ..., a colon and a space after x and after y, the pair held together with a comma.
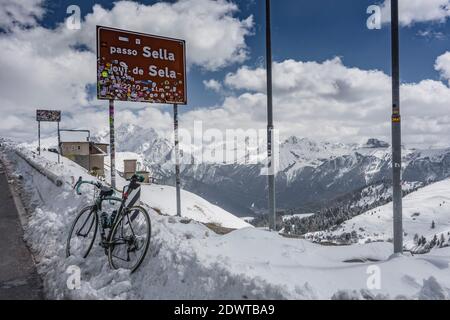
x: 18, y: 276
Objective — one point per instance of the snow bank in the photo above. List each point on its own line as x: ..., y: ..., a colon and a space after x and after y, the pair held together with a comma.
x: 420, y: 209
x: 171, y: 269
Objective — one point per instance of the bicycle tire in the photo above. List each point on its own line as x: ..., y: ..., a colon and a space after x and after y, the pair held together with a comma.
x: 116, y: 228
x: 90, y: 210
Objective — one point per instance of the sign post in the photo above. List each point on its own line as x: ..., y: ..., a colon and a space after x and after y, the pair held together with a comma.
x: 270, y: 162
x: 396, y: 132
x: 139, y: 67
x: 47, y: 116
x: 39, y: 137
x: 177, y: 158
x: 59, y: 143
x: 112, y: 146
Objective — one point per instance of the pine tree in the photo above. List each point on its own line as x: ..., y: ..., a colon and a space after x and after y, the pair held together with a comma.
x: 422, y: 241
x: 433, y: 241
x: 433, y: 225
x: 442, y: 241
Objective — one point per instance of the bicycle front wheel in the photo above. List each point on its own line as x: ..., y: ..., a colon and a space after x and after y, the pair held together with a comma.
x: 129, y: 239
x: 82, y: 233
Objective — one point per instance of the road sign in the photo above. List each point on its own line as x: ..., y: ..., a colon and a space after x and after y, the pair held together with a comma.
x: 140, y: 67
x: 48, y: 115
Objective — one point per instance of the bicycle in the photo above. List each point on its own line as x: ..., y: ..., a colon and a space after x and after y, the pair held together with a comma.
x: 129, y: 226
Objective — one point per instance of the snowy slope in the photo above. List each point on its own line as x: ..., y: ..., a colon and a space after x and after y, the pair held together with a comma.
x: 420, y: 209
x: 189, y: 261
x: 296, y: 154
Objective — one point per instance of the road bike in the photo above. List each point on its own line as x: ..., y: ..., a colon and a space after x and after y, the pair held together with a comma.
x: 124, y: 233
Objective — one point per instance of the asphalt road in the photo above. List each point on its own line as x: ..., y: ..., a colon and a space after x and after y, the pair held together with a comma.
x: 18, y: 277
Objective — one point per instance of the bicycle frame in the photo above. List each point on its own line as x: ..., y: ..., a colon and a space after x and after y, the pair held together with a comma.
x: 98, y: 208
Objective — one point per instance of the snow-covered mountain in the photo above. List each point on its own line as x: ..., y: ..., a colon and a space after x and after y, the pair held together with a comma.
x: 426, y: 213
x: 311, y: 174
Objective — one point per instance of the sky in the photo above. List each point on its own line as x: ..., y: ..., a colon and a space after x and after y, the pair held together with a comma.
x: 331, y: 72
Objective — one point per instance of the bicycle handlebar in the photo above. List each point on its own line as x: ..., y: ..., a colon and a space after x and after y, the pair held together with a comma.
x: 80, y: 182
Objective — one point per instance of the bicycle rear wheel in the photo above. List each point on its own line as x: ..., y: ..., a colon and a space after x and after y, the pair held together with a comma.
x: 129, y: 239
x: 82, y: 233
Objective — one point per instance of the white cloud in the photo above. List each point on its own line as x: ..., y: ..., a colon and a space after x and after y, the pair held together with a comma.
x: 42, y: 69
x: 321, y: 100
x: 443, y: 65
x: 23, y: 13
x: 213, y: 85
x: 214, y: 37
x: 330, y: 101
x: 413, y: 11
x: 430, y: 34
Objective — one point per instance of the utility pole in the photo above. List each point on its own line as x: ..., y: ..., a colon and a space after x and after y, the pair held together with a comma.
x: 396, y: 132
x: 177, y: 158
x: 270, y: 162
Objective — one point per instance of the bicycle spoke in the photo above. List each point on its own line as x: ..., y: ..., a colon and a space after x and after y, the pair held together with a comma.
x: 131, y: 240
x: 83, y: 233
x: 120, y: 258
x: 78, y: 233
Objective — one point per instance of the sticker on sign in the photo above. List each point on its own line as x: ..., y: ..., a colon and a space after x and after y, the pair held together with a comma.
x: 48, y: 115
x: 140, y: 67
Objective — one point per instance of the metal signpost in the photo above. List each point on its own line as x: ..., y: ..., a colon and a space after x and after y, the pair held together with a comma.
x: 112, y: 145
x: 177, y: 157
x: 271, y: 163
x: 47, y: 116
x: 396, y: 132
x: 39, y: 137
x: 140, y: 67
x: 59, y: 144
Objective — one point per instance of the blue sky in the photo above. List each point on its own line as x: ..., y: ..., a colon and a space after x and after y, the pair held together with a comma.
x: 310, y: 31
x: 327, y: 65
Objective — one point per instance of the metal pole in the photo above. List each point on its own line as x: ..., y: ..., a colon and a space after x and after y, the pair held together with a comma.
x: 39, y: 137
x: 112, y: 147
x: 59, y: 143
x: 396, y: 132
x: 177, y: 158
x: 271, y: 171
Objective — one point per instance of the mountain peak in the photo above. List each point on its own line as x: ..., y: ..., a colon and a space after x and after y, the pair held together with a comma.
x: 376, y: 143
x: 296, y: 140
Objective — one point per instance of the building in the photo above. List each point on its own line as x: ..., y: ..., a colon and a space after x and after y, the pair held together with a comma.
x: 89, y: 155
x: 130, y: 168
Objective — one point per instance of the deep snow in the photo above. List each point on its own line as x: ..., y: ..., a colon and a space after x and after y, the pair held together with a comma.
x: 420, y: 209
x: 190, y: 261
